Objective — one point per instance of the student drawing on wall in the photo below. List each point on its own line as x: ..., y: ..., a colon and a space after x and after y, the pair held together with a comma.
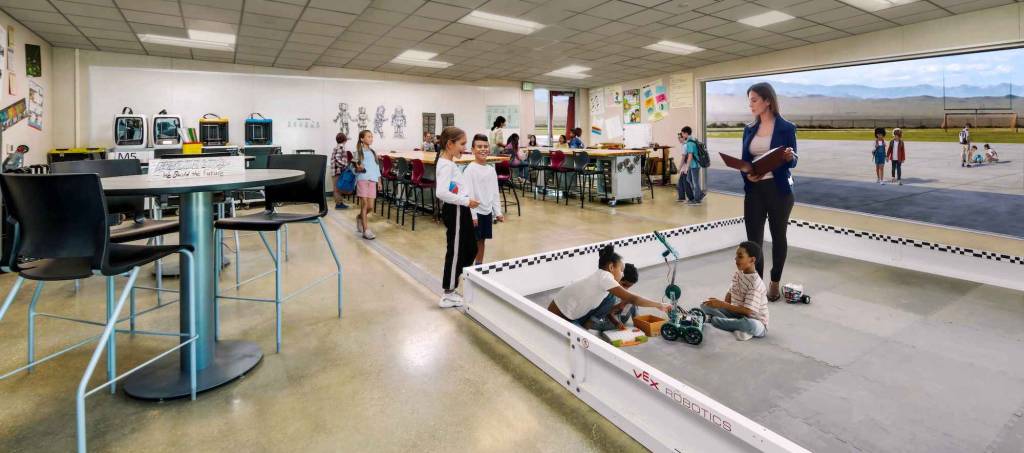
x: 343, y: 118
x: 379, y: 120
x: 398, y: 122
x: 362, y: 119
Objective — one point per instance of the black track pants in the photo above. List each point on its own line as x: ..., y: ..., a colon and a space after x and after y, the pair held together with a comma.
x: 461, y: 243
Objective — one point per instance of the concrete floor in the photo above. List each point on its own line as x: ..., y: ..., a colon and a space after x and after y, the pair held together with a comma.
x: 929, y: 164
x: 395, y: 374
x: 884, y: 360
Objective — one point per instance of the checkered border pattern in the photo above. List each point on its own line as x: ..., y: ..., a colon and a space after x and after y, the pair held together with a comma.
x: 909, y: 242
x: 593, y: 248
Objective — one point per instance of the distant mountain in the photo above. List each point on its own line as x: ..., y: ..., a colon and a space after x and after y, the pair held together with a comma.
x: 865, y: 92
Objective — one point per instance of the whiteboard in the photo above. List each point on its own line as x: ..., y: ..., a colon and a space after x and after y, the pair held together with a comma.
x: 638, y: 135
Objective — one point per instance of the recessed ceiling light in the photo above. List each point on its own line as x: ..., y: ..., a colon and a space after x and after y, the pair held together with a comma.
x: 420, y: 58
x: 763, y: 19
x: 673, y: 47
x: 501, y: 23
x: 876, y: 5
x: 570, y: 72
x: 197, y: 39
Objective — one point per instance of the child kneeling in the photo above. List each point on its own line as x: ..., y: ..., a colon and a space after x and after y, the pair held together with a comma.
x: 595, y: 301
x: 744, y: 312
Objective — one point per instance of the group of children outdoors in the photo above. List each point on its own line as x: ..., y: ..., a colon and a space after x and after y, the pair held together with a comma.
x: 969, y: 154
x: 602, y: 301
x: 895, y: 152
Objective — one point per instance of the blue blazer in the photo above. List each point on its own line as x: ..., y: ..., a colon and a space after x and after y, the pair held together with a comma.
x: 784, y: 134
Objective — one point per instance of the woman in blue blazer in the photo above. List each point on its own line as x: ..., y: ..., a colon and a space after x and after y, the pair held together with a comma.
x: 768, y: 196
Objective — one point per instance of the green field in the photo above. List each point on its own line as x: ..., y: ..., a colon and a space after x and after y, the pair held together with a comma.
x: 979, y: 136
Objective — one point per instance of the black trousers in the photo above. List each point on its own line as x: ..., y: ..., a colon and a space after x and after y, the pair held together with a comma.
x: 897, y: 169
x: 763, y: 202
x: 461, y: 243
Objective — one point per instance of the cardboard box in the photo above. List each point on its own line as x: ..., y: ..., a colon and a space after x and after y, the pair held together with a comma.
x: 649, y: 324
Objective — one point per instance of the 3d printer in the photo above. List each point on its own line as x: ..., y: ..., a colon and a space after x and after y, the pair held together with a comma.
x: 166, y: 130
x: 129, y: 130
x: 213, y: 130
x: 259, y: 131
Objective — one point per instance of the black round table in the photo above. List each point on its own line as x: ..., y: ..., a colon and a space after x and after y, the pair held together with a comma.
x: 217, y: 362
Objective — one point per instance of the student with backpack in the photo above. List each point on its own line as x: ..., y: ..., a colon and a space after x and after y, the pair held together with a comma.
x: 965, y: 142
x: 688, y: 189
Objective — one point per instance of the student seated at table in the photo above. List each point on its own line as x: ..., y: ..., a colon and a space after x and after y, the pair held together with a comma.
x: 531, y: 140
x: 990, y: 154
x: 574, y: 138
x: 428, y: 143
x: 744, y: 312
x: 562, y: 142
x: 586, y: 303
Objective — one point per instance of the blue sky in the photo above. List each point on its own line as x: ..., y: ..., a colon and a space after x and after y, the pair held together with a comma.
x: 978, y: 69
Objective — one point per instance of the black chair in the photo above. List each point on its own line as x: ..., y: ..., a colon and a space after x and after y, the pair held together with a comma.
x: 583, y: 175
x: 403, y: 184
x: 646, y: 165
x: 61, y: 223
x: 126, y: 208
x: 310, y: 190
x: 535, y: 163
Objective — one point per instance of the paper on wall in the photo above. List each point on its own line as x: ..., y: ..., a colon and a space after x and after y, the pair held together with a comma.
x: 615, y: 94
x: 613, y: 127
x: 597, y: 102
x: 680, y: 90
x: 35, y: 105
x: 631, y: 106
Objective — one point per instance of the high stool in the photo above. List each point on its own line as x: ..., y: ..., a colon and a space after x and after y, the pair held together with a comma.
x: 506, y: 182
x: 417, y: 185
x: 61, y: 222
x: 310, y: 190
x: 403, y: 179
x: 387, y: 177
x: 646, y: 166
x: 535, y: 164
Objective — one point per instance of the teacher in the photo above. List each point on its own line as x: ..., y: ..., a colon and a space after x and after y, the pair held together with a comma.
x: 768, y: 196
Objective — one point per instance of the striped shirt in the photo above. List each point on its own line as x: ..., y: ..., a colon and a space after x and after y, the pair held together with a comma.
x: 749, y: 291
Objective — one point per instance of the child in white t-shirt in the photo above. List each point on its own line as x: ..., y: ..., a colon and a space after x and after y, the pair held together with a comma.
x: 482, y: 183
x: 744, y: 312
x: 585, y: 302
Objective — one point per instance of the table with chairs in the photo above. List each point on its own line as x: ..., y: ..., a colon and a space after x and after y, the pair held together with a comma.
x: 66, y: 227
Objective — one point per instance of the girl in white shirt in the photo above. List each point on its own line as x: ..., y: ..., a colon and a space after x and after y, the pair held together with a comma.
x: 483, y: 186
x: 453, y: 192
x: 744, y: 312
x: 584, y: 302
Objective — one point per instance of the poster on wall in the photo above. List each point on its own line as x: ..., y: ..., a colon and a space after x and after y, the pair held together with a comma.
x: 597, y: 102
x: 10, y: 80
x: 510, y: 112
x: 655, y: 101
x: 33, y: 61
x: 615, y: 94
x: 3, y: 50
x: 680, y: 90
x: 35, y: 105
x: 613, y: 127
x: 631, y: 106
x: 13, y: 113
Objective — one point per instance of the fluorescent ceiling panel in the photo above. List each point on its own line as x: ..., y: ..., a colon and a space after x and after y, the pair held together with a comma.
x: 673, y: 47
x: 197, y: 39
x: 570, y: 72
x: 420, y: 58
x: 876, y: 5
x: 765, y: 19
x: 501, y: 23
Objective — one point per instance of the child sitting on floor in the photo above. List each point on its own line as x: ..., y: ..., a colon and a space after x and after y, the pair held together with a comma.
x: 990, y: 154
x: 586, y: 303
x: 744, y: 312
x: 622, y: 313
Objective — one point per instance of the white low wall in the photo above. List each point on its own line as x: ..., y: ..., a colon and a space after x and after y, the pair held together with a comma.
x: 659, y: 411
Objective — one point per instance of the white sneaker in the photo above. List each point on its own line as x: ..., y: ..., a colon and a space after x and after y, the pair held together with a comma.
x: 369, y: 235
x: 450, y: 300
x: 741, y: 335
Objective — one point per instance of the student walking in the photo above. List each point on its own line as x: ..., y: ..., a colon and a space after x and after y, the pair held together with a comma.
x: 498, y: 135
x: 339, y: 162
x: 897, y: 154
x: 688, y: 187
x: 483, y: 186
x: 965, y: 143
x: 367, y: 181
x: 878, y: 154
x: 453, y: 192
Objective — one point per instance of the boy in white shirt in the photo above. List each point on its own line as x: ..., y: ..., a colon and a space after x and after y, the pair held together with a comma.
x: 482, y: 182
x: 744, y: 312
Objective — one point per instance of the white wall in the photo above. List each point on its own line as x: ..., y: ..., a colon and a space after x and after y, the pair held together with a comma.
x: 39, y: 142
x: 109, y: 82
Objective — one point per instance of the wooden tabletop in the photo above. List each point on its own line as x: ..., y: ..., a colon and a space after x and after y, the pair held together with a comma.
x: 144, y: 185
x: 430, y: 158
x: 595, y: 152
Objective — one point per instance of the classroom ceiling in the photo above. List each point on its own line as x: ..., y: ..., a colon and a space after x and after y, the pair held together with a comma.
x: 607, y: 36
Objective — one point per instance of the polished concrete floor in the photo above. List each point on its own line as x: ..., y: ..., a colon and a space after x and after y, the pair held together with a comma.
x: 917, y: 360
x: 396, y: 373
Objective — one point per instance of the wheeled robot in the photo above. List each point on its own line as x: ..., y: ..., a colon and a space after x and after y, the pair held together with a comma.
x: 794, y: 294
x: 687, y: 325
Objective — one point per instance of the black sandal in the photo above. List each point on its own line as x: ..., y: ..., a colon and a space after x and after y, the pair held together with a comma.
x: 778, y: 293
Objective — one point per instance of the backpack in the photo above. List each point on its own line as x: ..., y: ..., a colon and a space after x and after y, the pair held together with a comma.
x: 703, y: 159
x: 963, y: 138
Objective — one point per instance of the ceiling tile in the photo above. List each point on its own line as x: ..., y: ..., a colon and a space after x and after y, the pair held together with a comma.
x: 463, y: 30
x: 272, y: 8
x: 811, y: 7
x: 341, y: 54
x: 303, y: 51
x: 265, y: 33
x: 548, y: 14
x: 613, y: 28
x: 827, y: 36
x: 167, y: 51
x: 721, y: 5
x: 381, y: 16
x: 210, y: 13
x: 614, y: 9
x: 348, y: 45
x: 921, y: 17
x: 402, y: 6
x: 833, y: 15
x: 423, y: 23
x: 332, y: 61
x: 250, y: 41
x: 318, y: 29
x: 253, y: 58
x: 224, y: 4
x: 442, y: 12
x: 906, y: 10
x: 789, y: 25
x: 969, y: 6
x: 809, y: 31
x: 367, y: 28
x: 344, y: 6
x: 680, y: 19
x: 74, y: 39
x: 408, y: 34
x: 29, y: 15
x: 108, y: 34
x: 703, y: 23
x: 323, y: 16
x: 153, y: 19
x: 80, y: 9
x: 160, y: 30
x: 116, y: 44
x: 167, y: 7
x: 777, y: 4
x: 264, y: 51
x: 306, y: 38
x: 644, y: 17
x: 41, y: 27
x: 511, y: 8
x: 27, y: 4
x: 275, y: 23
x: 93, y: 22
x: 583, y: 22
x: 855, y: 21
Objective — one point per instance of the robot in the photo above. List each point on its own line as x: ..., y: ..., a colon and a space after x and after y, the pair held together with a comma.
x: 398, y: 121
x: 379, y: 120
x: 362, y: 119
x: 688, y: 325
x: 794, y: 294
x: 343, y: 117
